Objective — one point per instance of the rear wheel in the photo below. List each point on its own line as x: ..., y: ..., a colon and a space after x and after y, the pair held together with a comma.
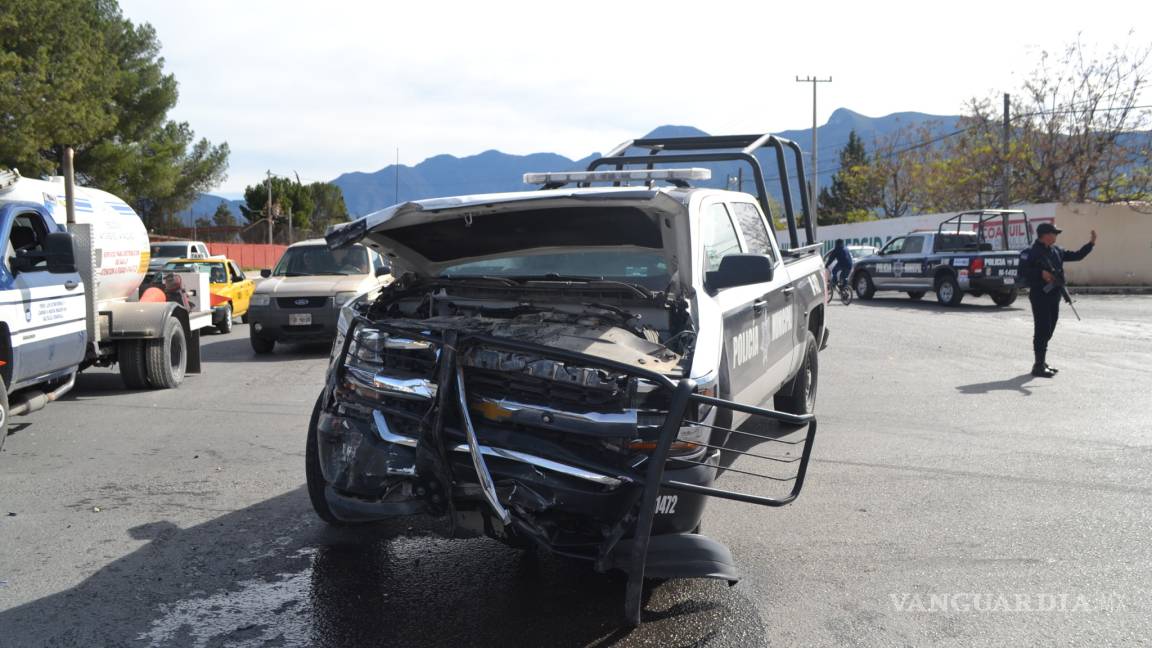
x: 225, y: 325
x: 798, y: 396
x: 3, y: 412
x: 133, y: 367
x: 260, y: 345
x: 865, y: 289
x: 167, y: 357
x: 948, y: 291
x: 916, y: 295
x: 1005, y: 298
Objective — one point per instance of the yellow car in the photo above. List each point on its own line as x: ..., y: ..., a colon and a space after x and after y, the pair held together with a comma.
x: 231, y: 290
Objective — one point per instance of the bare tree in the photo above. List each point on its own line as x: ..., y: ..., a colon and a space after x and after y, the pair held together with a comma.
x: 1080, y: 132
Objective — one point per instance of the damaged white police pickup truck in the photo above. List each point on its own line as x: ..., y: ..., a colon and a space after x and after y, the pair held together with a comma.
x: 574, y: 367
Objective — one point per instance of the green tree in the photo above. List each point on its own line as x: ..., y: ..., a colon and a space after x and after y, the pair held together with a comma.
x: 854, y: 192
x: 312, y: 207
x: 223, y: 216
x: 77, y: 73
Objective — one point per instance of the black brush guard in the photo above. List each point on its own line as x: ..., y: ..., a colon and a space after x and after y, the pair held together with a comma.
x: 650, y: 476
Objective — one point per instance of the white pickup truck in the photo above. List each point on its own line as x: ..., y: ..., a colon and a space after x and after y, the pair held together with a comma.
x: 71, y: 297
x: 541, y: 353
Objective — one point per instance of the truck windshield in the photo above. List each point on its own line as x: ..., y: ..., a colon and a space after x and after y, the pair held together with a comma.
x: 319, y: 260
x: 215, y: 271
x: 644, y: 268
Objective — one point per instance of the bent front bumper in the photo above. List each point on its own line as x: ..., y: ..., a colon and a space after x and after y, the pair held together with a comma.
x: 537, y: 484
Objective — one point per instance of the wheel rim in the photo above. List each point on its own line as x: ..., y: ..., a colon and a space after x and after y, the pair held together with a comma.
x: 3, y: 418
x: 862, y: 285
x: 946, y: 292
x: 176, y: 355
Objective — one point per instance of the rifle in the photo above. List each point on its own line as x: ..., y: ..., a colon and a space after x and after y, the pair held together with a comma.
x: 1058, y: 281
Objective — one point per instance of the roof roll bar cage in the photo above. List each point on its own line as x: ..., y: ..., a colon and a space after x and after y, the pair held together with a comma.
x: 745, y: 148
x: 977, y: 219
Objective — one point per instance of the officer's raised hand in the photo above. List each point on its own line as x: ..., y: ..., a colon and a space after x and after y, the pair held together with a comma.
x: 1093, y: 238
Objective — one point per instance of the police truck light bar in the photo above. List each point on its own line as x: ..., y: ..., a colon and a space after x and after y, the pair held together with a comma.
x: 643, y: 175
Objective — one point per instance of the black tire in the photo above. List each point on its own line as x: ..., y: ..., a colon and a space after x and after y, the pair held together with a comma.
x: 845, y: 295
x: 313, y: 475
x: 167, y: 357
x: 1005, y: 298
x: 133, y: 366
x: 244, y: 318
x: 225, y: 325
x: 863, y: 285
x: 948, y: 290
x: 798, y: 396
x: 916, y: 295
x: 260, y: 345
x: 3, y: 412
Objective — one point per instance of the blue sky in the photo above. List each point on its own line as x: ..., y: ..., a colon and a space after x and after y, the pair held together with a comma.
x: 321, y: 88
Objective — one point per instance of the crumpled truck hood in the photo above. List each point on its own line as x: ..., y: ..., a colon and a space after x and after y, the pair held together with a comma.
x: 428, y: 236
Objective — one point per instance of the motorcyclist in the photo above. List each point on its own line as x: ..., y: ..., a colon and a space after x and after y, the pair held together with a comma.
x: 840, y: 261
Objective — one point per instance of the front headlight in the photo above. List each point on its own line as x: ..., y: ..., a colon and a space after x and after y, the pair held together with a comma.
x: 260, y: 299
x: 343, y: 297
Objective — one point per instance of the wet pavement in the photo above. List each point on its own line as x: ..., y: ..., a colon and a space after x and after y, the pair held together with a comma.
x: 179, y: 518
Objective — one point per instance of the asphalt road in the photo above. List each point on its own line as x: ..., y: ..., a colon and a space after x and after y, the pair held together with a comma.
x: 953, y: 500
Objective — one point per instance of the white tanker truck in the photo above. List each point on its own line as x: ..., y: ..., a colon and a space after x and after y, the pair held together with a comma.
x: 71, y: 297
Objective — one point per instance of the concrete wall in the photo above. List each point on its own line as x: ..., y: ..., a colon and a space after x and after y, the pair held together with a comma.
x: 1123, y: 254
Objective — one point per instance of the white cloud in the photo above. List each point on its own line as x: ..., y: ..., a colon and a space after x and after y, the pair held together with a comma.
x: 324, y: 88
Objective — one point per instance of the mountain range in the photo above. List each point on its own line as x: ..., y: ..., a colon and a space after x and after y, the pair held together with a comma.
x: 494, y: 171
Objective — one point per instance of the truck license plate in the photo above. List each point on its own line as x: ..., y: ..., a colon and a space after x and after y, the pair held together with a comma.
x: 299, y: 319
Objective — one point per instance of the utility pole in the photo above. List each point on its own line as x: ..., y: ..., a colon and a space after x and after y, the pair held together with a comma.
x: 268, y: 207
x: 1006, y: 170
x: 397, y: 168
x: 740, y: 179
x: 813, y: 190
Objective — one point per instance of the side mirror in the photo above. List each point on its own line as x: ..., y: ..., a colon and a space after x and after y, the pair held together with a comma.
x: 57, y: 256
x: 740, y: 270
x: 266, y: 272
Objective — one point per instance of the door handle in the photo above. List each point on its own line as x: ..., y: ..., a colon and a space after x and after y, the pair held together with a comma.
x: 71, y: 285
x: 788, y: 291
x: 759, y: 305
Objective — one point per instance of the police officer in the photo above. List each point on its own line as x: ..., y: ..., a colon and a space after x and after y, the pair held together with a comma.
x: 1042, y: 268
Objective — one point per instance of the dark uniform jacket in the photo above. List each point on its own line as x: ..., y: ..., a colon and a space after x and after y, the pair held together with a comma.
x: 1041, y: 257
x: 841, y: 258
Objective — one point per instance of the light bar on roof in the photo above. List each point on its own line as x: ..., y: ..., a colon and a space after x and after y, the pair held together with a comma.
x: 642, y: 175
x: 8, y: 178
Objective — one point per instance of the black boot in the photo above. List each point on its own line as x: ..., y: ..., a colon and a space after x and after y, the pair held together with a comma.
x: 1040, y: 367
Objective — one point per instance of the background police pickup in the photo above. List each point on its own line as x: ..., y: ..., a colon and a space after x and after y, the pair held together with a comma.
x: 949, y: 264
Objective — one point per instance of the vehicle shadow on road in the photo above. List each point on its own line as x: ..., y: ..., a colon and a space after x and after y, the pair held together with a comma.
x: 234, y: 349
x: 1017, y: 384
x: 928, y: 305
x: 272, y: 574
